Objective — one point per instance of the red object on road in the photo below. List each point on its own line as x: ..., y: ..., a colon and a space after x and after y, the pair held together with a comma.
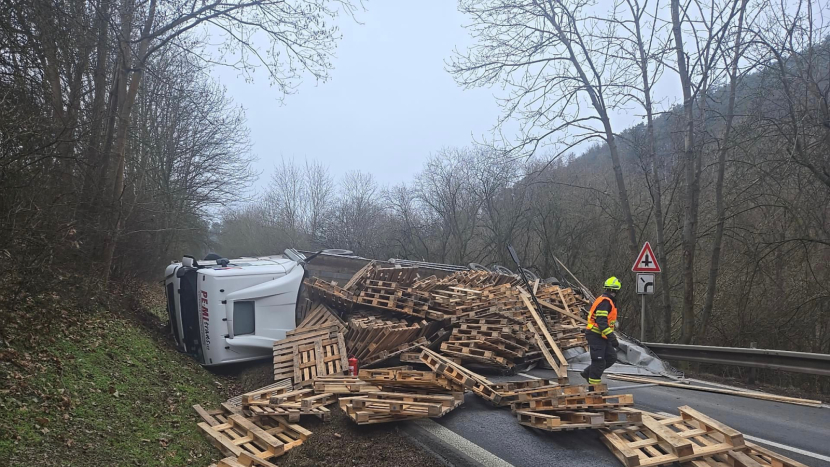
x: 352, y: 366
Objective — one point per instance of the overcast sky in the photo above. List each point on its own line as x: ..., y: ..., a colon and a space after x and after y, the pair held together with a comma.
x: 389, y: 104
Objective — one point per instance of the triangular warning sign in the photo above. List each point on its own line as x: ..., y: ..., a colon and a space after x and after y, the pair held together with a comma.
x: 646, y: 261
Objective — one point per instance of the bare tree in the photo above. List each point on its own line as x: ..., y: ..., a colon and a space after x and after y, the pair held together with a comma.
x: 299, y: 41
x: 555, y: 70
x: 708, y: 26
x: 725, y: 142
x: 319, y: 189
x: 640, y: 45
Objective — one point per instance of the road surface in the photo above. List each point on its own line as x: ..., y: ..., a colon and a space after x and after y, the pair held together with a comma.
x: 478, y: 434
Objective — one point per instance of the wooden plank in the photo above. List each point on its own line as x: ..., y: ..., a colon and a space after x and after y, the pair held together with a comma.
x: 319, y: 358
x: 209, y: 419
x: 772, y: 458
x: 563, y: 364
x: 341, y: 347
x: 751, y: 395
x: 222, y: 442
x: 680, y: 447
x: 733, y: 436
x: 555, y: 308
x: 619, y: 448
x: 244, y: 460
x: 544, y: 348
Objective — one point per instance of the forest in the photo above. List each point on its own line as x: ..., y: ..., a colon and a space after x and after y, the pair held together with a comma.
x: 119, y: 152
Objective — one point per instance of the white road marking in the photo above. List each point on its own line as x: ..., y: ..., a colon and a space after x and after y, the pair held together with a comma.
x: 788, y: 448
x: 775, y: 445
x: 470, y: 449
x: 527, y: 376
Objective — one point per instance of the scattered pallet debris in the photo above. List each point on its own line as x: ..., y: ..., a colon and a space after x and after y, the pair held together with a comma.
x: 262, y: 437
x: 691, y: 436
x: 442, y: 329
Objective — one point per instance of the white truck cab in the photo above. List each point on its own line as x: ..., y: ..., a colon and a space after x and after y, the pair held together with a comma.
x: 226, y: 311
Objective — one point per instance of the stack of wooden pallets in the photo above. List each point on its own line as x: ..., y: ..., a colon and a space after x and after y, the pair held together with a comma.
x: 373, y: 337
x: 405, y: 394
x: 470, y: 317
x: 556, y: 407
x: 500, y: 343
x: 384, y: 407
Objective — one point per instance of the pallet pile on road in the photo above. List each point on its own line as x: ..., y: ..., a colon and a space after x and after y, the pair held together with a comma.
x: 560, y: 408
x: 691, y: 439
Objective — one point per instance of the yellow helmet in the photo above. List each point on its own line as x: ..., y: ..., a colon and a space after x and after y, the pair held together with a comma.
x: 613, y: 283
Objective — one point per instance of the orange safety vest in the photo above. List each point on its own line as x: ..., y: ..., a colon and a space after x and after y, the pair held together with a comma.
x: 612, y: 316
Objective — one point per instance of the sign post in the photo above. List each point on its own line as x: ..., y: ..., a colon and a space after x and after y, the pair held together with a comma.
x: 645, y: 266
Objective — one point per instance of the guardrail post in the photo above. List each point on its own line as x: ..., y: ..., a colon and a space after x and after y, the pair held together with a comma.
x: 753, y: 370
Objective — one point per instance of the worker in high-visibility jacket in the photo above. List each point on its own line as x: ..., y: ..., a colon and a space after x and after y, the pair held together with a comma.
x: 602, y: 319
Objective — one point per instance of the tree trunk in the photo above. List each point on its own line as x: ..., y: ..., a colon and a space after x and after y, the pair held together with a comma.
x: 656, y: 192
x: 599, y: 106
x: 92, y: 154
x: 719, y: 205
x: 690, y: 205
x: 116, y: 218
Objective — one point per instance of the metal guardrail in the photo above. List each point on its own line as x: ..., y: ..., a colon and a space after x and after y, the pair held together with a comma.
x: 800, y: 362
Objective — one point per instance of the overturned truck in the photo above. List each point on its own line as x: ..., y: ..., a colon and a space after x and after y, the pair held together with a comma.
x: 227, y: 311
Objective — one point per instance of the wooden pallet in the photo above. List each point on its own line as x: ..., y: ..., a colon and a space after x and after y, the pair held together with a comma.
x: 579, y: 420
x: 559, y: 391
x: 461, y: 376
x: 343, y: 385
x: 234, y: 435
x: 243, y: 460
x: 384, y: 407
x: 329, y: 293
x: 410, y: 357
x: 398, y: 351
x: 262, y: 396
x: 320, y: 357
x: 320, y: 316
x: 751, y: 455
x: 258, y: 403
x: 521, y: 385
x: 572, y: 402
x: 690, y: 437
x: 406, y: 379
x: 286, y: 351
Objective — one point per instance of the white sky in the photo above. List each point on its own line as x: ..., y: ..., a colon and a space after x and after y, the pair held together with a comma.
x: 389, y: 104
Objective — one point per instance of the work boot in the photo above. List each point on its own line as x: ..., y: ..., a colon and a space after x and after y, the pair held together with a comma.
x: 584, y: 374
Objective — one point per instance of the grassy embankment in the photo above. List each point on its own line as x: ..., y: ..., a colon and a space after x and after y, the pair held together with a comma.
x: 86, y: 386
x: 83, y: 386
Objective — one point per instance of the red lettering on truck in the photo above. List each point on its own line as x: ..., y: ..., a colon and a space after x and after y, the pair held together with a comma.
x: 203, y: 301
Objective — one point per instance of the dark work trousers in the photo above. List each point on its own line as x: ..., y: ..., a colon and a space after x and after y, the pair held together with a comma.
x: 603, y: 354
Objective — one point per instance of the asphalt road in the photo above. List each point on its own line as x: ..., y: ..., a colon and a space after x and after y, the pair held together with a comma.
x: 478, y: 434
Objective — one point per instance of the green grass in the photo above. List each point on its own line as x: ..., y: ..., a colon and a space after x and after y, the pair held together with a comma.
x: 102, y: 390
